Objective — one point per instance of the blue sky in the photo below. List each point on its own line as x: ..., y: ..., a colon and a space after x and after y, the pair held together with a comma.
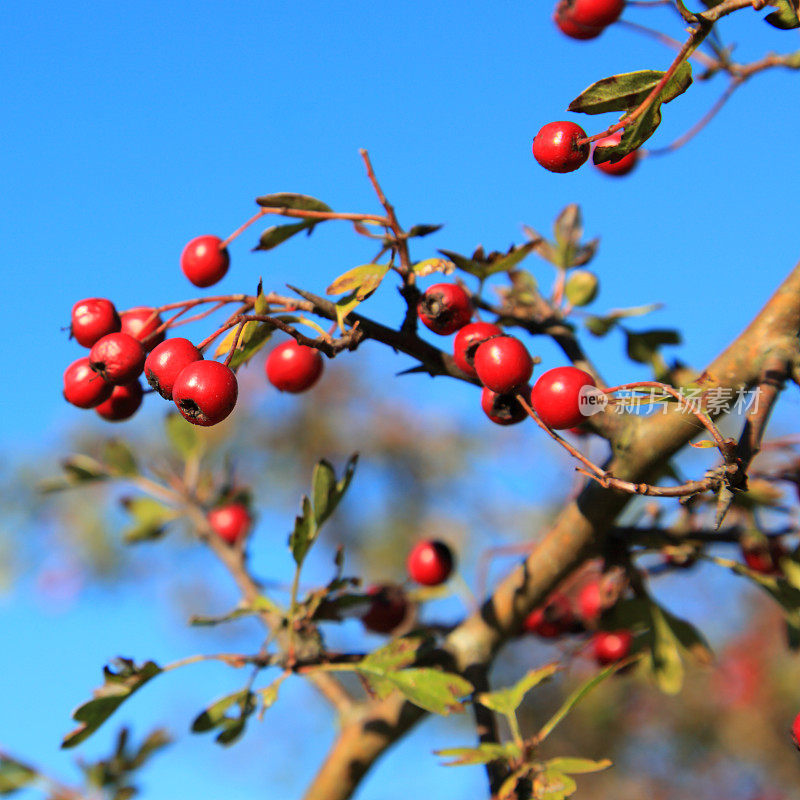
x: 129, y: 128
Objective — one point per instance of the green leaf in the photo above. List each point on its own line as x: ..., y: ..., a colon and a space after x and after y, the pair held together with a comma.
x: 156, y: 740
x: 423, y: 230
x: 785, y: 18
x: 689, y: 638
x: 119, y: 457
x: 643, y: 346
x: 568, y: 227
x: 268, y: 695
x: 253, y: 337
x: 344, y: 305
x: 627, y: 90
x: 118, y: 687
x: 150, y: 519
x: 15, y: 775
x: 78, y: 470
x: 576, y: 766
x: 464, y: 263
x: 304, y: 533
x: 397, y: 654
x: 506, y: 701
x: 553, y: 785
x: 237, y: 613
x: 278, y: 234
x: 431, y: 265
x: 298, y: 202
x: 576, y: 697
x: 182, y: 436
x: 435, y: 691
x: 664, y: 661
x: 359, y: 282
x: 216, y: 716
x: 483, y: 754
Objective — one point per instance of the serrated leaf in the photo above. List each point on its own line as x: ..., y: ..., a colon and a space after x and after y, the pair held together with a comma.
x: 119, y: 457
x: 327, y: 491
x: 298, y: 202
x: 785, y: 18
x: 150, y: 519
x: 118, y: 687
x: 278, y: 234
x: 665, y: 661
x: 215, y: 714
x: 483, y: 754
x: 577, y: 766
x: 182, y: 435
x: 398, y: 653
x: 464, y: 263
x: 15, y: 775
x: 359, y: 282
x: 507, y: 262
x: 506, y: 701
x: 430, y: 265
x: 568, y: 226
x: 428, y: 688
x: 627, y: 90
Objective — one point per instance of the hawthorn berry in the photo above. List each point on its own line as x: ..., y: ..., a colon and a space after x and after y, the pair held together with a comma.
x: 796, y: 731
x: 573, y: 29
x: 617, y: 168
x: 165, y: 362
x: 205, y: 392
x: 591, y: 601
x: 387, y: 610
x: 123, y: 403
x: 83, y: 387
x: 466, y: 343
x: 503, y: 363
x: 293, y: 367
x: 430, y: 562
x: 118, y: 357
x: 141, y: 323
x: 230, y: 522
x: 611, y: 646
x: 591, y: 13
x: 444, y: 308
x: 504, y: 409
x: 764, y: 556
x: 556, y: 397
x: 552, y: 619
x: 204, y: 261
x: 556, y: 146
x: 92, y: 319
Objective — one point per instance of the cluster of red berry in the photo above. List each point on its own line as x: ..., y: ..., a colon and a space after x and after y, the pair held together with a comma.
x: 502, y: 364
x: 586, y: 19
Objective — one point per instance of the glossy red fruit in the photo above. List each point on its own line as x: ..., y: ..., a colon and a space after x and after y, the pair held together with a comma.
x: 118, y: 357
x: 611, y: 646
x: 556, y: 146
x: 621, y: 167
x: 430, y: 562
x: 204, y: 262
x: 591, y: 13
x: 556, y: 397
x: 444, y: 308
x: 387, y: 610
x: 293, y: 367
x: 165, y: 362
x: 92, y: 319
x: 796, y: 731
x: 83, y: 387
x: 574, y: 29
x: 591, y: 601
x: 230, y: 522
x: 764, y: 556
x: 466, y: 343
x: 140, y: 323
x: 504, y: 409
x: 503, y: 363
x: 123, y: 403
x: 205, y: 392
x: 553, y: 619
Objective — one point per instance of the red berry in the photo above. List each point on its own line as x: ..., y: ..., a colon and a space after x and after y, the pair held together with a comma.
x: 573, y: 29
x: 796, y: 731
x: 503, y: 363
x: 231, y: 522
x: 92, y: 319
x: 621, y: 167
x: 165, y: 362
x: 504, y: 409
x: 553, y: 619
x: 556, y: 397
x: 556, y: 146
x: 293, y: 367
x: 118, y: 357
x: 140, y: 323
x: 591, y: 13
x: 444, y: 308
x: 387, y: 610
x: 204, y: 262
x: 205, y: 392
x: 591, y: 601
x: 764, y: 556
x: 83, y: 387
x: 123, y: 403
x: 430, y: 562
x: 466, y: 343
x: 611, y: 646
